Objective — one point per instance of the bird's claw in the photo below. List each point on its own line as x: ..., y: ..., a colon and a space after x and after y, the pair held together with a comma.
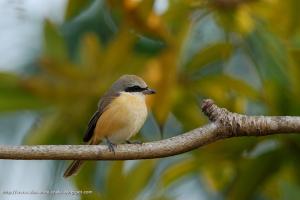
x: 111, y: 146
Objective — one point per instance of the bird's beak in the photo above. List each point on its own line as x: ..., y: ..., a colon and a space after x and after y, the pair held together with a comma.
x: 149, y: 91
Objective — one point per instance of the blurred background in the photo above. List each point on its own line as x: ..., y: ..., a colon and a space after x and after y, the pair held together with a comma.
x: 57, y: 57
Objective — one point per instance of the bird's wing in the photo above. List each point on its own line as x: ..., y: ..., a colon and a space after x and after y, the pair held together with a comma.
x: 91, y: 126
x: 103, y: 104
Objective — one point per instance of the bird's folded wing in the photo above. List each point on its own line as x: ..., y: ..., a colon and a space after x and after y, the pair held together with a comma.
x: 103, y: 103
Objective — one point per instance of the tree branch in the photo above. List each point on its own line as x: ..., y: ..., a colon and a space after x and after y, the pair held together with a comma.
x: 224, y: 124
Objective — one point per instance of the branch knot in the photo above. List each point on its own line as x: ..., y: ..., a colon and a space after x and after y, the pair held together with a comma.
x: 229, y: 121
x: 215, y: 113
x: 209, y: 109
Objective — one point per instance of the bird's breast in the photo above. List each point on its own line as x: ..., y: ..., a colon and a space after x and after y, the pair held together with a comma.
x: 133, y: 109
x: 123, y: 118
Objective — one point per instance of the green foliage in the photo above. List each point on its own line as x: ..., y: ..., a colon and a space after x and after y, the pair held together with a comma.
x: 54, y: 43
x: 129, y: 185
x: 246, y: 184
x: 210, y: 54
x: 14, y: 95
x: 194, y: 50
x: 75, y: 7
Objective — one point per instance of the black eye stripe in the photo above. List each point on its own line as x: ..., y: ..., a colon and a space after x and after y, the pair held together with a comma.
x: 135, y: 89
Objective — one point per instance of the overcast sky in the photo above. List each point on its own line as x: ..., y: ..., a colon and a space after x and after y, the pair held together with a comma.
x: 21, y: 23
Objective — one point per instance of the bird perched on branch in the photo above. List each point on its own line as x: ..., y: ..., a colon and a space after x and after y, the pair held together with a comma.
x: 120, y: 115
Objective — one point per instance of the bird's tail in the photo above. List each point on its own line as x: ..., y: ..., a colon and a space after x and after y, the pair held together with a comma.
x: 76, y: 164
x: 73, y: 168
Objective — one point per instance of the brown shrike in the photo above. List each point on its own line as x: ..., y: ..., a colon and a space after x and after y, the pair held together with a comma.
x: 121, y: 113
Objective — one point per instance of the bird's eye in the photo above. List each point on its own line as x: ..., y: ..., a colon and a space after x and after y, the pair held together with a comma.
x: 135, y: 88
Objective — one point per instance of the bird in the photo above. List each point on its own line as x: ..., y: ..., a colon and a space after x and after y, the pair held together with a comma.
x: 120, y: 114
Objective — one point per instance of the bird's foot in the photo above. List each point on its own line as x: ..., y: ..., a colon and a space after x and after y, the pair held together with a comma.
x: 134, y: 142
x: 111, y: 146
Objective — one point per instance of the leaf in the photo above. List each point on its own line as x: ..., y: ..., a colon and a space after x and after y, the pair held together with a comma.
x: 212, y: 53
x: 161, y: 75
x: 91, y: 53
x: 252, y: 174
x: 122, y: 46
x: 177, y: 171
x: 289, y: 191
x: 75, y: 7
x: 61, y: 70
x: 54, y: 43
x: 138, y: 178
x: 116, y: 183
x: 224, y: 87
x: 13, y: 96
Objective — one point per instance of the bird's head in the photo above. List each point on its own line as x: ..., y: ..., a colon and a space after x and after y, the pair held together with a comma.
x: 132, y: 84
